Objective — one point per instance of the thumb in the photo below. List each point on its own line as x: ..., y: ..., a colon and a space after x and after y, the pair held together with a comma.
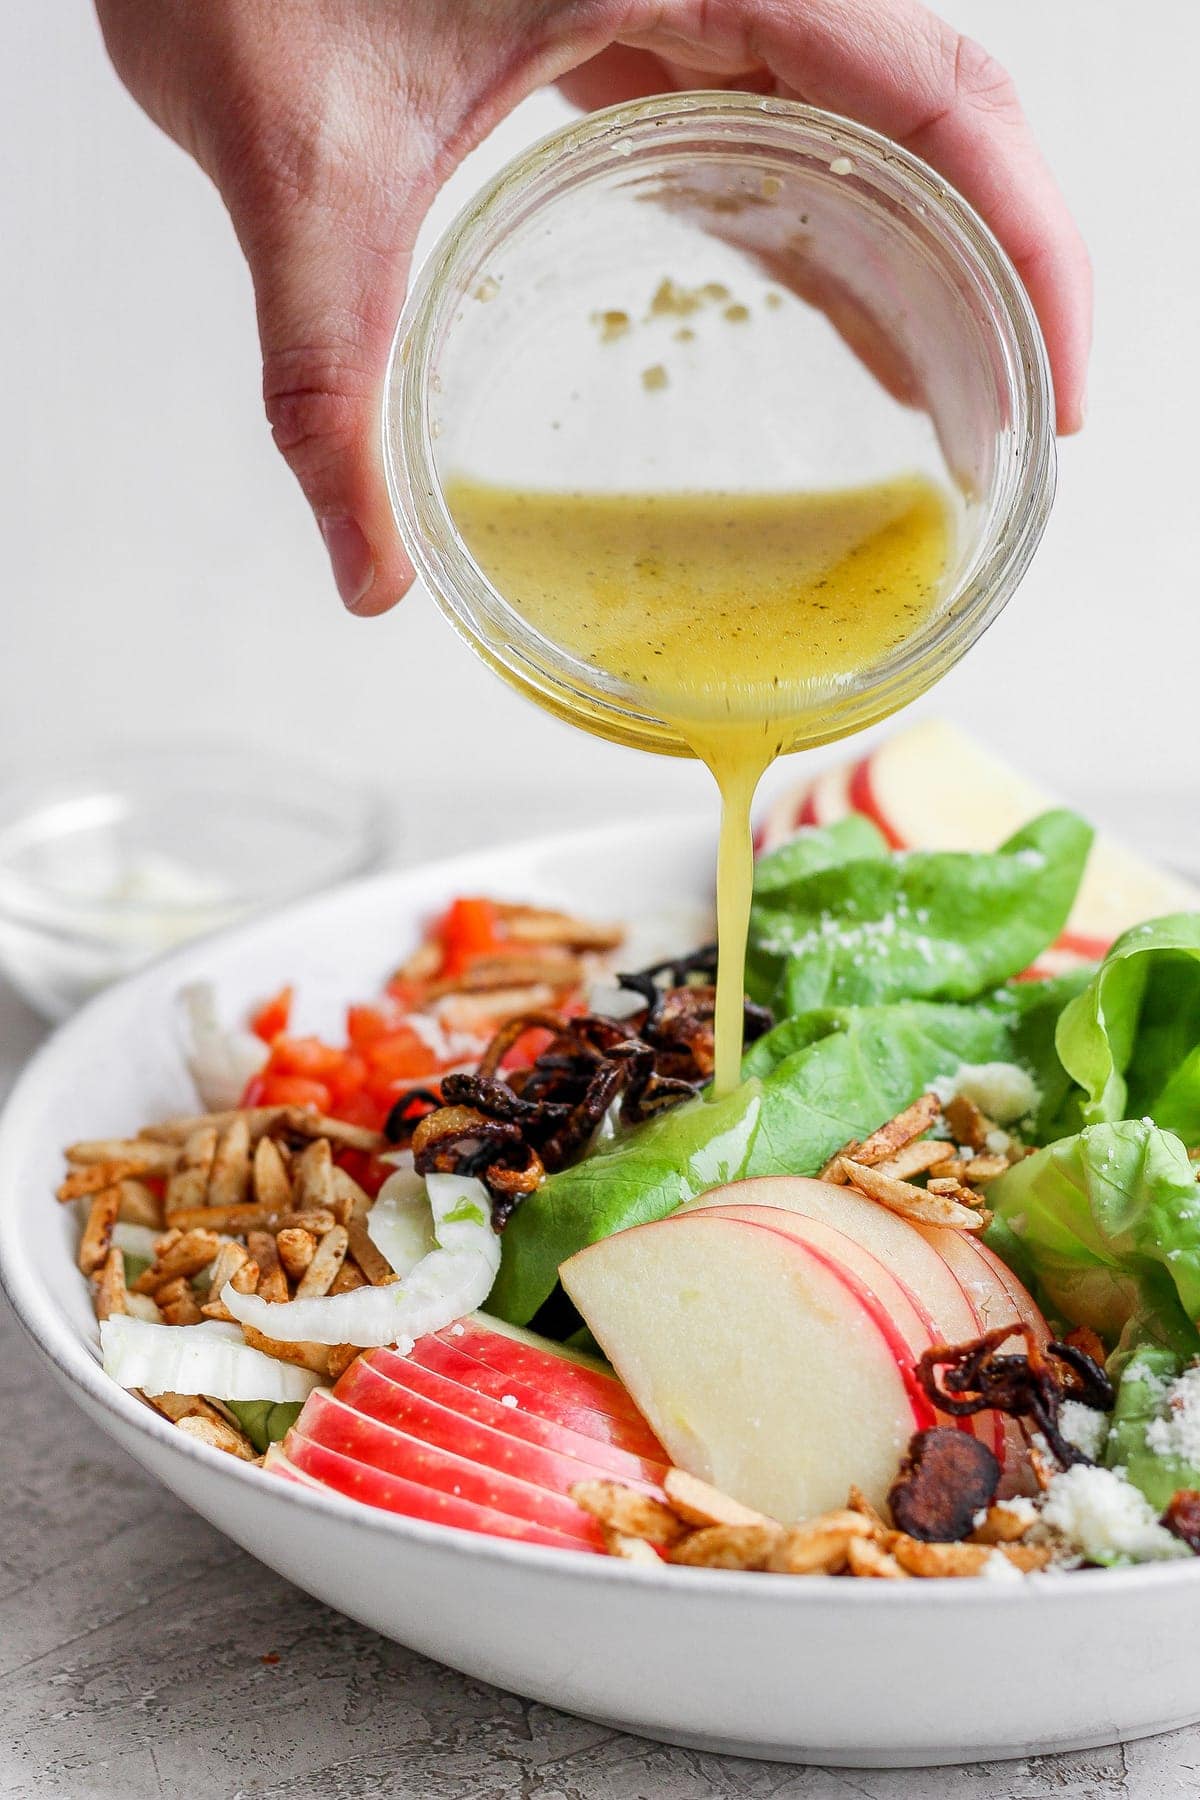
x: 327, y: 307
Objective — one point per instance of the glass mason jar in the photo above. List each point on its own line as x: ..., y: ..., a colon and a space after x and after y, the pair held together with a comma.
x: 714, y: 292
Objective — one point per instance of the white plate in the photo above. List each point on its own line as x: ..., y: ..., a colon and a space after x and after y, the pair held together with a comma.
x: 811, y: 1670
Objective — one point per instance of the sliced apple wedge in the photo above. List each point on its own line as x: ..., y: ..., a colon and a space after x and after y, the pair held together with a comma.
x: 342, y: 1475
x: 893, y: 1245
x: 336, y: 1426
x: 390, y: 1388
x: 445, y: 1359
x: 545, y: 1365
x: 765, y: 1367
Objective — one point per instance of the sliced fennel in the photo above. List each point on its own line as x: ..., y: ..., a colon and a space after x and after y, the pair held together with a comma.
x: 211, y: 1358
x: 400, y: 1224
x: 453, y: 1279
x: 220, y: 1061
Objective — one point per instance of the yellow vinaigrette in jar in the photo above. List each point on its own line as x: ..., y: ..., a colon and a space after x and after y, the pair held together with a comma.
x: 738, y: 615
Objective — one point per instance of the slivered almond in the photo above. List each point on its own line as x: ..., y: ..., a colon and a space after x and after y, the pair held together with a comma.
x: 371, y: 1260
x: 630, y: 1549
x: 912, y: 1123
x: 185, y: 1256
x: 985, y: 1168
x: 229, y: 1177
x: 94, y: 1178
x: 97, y: 1233
x: 914, y: 1159
x: 913, y: 1202
x: 139, y: 1205
x: 251, y: 1217
x: 272, y: 1282
x: 299, y: 1122
x: 182, y: 1406
x: 110, y: 1297
x: 179, y: 1130
x: 340, y: 1358
x: 625, y: 1510
x: 1001, y: 1525
x: 348, y: 1277
x: 819, y: 1546
x: 226, y: 1263
x: 220, y: 1434
x: 272, y: 1188
x: 866, y: 1558
x: 835, y: 1169
x: 969, y: 1125
x: 728, y: 1547
x: 538, y: 925
x: 143, y: 1158
x: 856, y: 1501
x: 328, y: 1259
x: 353, y: 1201
x: 184, y: 1311
x: 313, y: 1177
x: 698, y: 1503
x: 188, y: 1185
x: 296, y: 1250
x: 304, y: 1355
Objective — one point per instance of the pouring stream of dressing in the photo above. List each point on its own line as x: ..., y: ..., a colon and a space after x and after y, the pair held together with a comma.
x: 737, y: 615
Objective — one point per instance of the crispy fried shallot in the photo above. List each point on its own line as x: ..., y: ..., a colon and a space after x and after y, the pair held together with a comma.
x: 1031, y: 1386
x: 511, y: 1128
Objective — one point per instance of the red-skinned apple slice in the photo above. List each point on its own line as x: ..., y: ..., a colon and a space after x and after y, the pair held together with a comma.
x: 891, y: 1241
x: 336, y: 1426
x: 551, y: 1367
x: 443, y: 1358
x: 763, y: 1366
x: 900, y: 1300
x: 400, y: 1393
x: 394, y: 1494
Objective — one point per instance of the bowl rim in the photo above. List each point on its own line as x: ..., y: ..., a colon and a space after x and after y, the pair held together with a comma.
x: 80, y: 1369
x: 219, y: 760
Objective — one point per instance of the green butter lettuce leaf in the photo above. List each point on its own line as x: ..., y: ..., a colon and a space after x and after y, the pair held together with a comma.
x: 915, y: 925
x: 1141, y: 1401
x: 1035, y: 1008
x: 1131, y: 1040
x: 849, y: 1069
x: 265, y: 1422
x: 827, y: 1077
x: 1108, y: 1223
x: 816, y: 847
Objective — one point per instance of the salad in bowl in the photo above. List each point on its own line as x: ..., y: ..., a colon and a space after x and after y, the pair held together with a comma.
x: 919, y: 1299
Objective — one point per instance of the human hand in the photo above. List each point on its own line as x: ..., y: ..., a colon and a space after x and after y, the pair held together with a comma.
x: 328, y: 126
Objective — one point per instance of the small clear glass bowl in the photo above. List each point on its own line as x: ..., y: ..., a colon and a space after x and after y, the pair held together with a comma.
x: 107, y: 865
x: 715, y: 292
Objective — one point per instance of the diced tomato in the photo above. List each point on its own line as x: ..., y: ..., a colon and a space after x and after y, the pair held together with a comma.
x: 363, y: 1108
x: 469, y: 929
x: 408, y: 994
x: 346, y: 1081
x: 294, y: 1090
x: 270, y: 1019
x: 401, y: 1056
x: 367, y: 1024
x: 306, y: 1056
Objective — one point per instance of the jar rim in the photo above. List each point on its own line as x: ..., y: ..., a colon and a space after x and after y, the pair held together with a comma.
x: 601, y: 144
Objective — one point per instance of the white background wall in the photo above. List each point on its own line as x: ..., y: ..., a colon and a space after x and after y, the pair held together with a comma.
x: 162, y: 574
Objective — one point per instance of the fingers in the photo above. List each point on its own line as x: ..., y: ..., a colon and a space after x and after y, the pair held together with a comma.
x: 900, y: 70
x: 326, y: 312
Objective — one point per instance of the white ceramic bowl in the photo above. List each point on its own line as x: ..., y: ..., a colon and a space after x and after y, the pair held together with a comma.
x: 813, y: 1670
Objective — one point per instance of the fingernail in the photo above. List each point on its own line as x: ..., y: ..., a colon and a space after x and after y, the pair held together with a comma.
x: 350, y: 554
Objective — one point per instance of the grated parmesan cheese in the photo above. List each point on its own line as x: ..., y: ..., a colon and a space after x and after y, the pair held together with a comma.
x: 1107, y: 1519
x: 1084, y: 1427
x: 1176, y: 1434
x: 1002, y: 1090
